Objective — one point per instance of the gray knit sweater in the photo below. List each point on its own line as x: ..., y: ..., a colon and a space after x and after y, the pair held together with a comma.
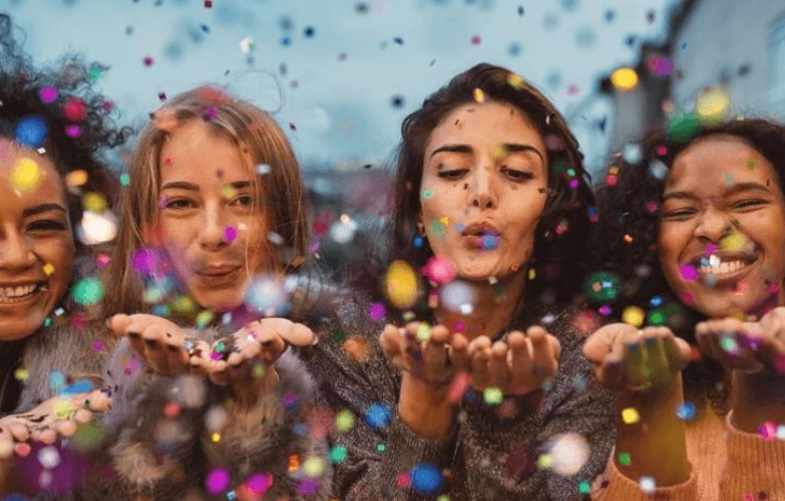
x: 487, y: 457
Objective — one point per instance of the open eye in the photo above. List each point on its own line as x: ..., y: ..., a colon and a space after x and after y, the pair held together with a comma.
x: 179, y: 203
x: 244, y: 201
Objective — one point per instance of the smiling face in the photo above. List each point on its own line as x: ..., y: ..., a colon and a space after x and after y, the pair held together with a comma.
x: 484, y: 187
x: 722, y: 233
x: 211, y: 221
x: 36, y: 242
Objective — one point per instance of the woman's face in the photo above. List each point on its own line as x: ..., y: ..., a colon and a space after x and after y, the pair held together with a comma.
x: 722, y: 233
x: 36, y: 240
x: 211, y: 220
x: 484, y: 187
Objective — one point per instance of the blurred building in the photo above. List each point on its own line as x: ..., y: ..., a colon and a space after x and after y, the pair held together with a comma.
x: 738, y: 47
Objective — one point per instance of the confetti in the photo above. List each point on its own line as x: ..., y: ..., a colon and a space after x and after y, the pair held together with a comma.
x: 633, y: 315
x: 569, y: 452
x: 217, y: 481
x: 377, y: 415
x: 624, y: 79
x: 426, y: 478
x: 630, y: 415
x: 401, y: 284
x: 31, y: 131
x: 26, y: 175
x: 88, y: 291
x: 493, y: 396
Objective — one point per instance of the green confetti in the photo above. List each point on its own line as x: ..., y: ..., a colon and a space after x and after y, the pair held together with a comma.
x: 381, y: 447
x: 338, y: 454
x: 125, y: 179
x: 584, y: 487
x: 683, y: 127
x: 624, y: 458
x: 88, y: 291
x: 493, y: 396
x: 427, y: 194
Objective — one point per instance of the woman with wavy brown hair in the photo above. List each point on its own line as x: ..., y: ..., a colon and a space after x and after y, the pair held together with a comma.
x: 476, y: 388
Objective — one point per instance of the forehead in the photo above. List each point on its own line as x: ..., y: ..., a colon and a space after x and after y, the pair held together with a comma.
x: 27, y: 177
x: 715, y: 163
x: 194, y: 153
x: 491, y: 122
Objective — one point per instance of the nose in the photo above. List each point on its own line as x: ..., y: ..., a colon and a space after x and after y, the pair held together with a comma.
x: 212, y: 234
x: 15, y: 252
x: 713, y: 225
x: 483, y: 194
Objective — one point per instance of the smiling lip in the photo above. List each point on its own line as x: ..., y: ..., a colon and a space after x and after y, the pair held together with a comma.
x: 724, y: 268
x: 14, y: 294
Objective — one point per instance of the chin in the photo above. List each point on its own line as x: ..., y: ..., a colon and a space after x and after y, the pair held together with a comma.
x: 14, y: 330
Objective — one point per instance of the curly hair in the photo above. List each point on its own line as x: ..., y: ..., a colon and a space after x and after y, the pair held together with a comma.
x: 625, y: 242
x: 75, y: 114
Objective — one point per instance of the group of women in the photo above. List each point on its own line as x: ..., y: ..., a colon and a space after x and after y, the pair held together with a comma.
x: 218, y: 362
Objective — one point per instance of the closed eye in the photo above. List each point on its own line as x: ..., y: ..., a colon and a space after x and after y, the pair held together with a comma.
x: 452, y: 174
x: 749, y: 203
x: 679, y: 214
x: 517, y: 175
x: 47, y: 225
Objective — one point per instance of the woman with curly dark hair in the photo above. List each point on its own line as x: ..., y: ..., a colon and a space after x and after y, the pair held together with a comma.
x: 695, y: 230
x: 53, y: 126
x: 491, y: 205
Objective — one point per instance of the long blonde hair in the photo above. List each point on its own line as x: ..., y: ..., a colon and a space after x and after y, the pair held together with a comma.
x: 252, y: 130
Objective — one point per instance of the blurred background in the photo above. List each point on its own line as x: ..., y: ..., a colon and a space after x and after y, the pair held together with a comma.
x: 340, y: 75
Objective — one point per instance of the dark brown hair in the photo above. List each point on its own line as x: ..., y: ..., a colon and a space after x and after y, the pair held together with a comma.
x: 556, y: 253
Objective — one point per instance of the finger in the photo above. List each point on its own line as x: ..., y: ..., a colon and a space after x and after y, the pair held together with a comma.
x: 391, y: 341
x: 19, y: 431
x: 678, y: 351
x: 545, y: 352
x: 481, y: 376
x: 292, y: 333
x: 46, y: 435
x: 658, y: 369
x: 271, y: 343
x: 96, y: 401
x: 435, y: 356
x: 520, y: 356
x: 498, y: 365
x: 65, y: 428
x: 479, y: 344
x: 459, y: 352
x: 118, y: 324
x: 175, y: 352
x: 725, y: 341
x: 601, y: 341
x: 636, y: 373
x: 155, y: 353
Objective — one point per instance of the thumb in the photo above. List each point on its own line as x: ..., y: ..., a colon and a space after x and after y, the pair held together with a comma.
x: 118, y: 324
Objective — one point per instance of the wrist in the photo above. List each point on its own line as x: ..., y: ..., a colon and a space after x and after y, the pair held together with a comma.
x: 248, y: 391
x: 757, y: 398
x: 426, y: 410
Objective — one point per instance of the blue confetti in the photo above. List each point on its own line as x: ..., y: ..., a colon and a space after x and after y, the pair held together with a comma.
x: 31, y: 131
x: 377, y: 416
x: 426, y: 478
x: 84, y: 386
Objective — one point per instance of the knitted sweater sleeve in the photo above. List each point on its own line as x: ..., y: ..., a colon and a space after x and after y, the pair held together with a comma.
x: 377, y: 453
x: 754, y: 468
x: 550, y: 449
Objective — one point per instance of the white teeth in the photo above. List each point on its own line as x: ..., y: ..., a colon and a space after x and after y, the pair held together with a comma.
x: 17, y: 292
x: 717, y: 267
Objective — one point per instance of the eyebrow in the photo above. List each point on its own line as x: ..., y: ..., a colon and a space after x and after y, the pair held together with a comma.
x: 40, y: 209
x: 508, y: 147
x: 733, y: 189
x: 183, y: 185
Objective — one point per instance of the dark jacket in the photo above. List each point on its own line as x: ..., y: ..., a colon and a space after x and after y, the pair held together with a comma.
x: 495, y: 452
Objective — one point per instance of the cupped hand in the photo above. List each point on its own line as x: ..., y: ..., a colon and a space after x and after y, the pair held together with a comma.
x: 425, y: 353
x: 751, y: 347
x: 161, y: 344
x: 245, y: 361
x: 635, y: 360
x: 518, y: 365
x: 54, y: 418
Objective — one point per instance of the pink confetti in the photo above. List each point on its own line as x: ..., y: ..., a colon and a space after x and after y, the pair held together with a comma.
x: 148, y: 61
x: 476, y: 40
x: 688, y: 272
x: 230, y: 233
x: 377, y: 311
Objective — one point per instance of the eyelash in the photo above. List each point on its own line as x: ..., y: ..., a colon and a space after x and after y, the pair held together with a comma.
x: 511, y: 174
x: 177, y: 203
x: 47, y: 225
x: 687, y: 212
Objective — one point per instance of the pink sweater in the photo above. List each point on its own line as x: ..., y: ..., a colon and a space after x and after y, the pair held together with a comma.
x: 727, y: 465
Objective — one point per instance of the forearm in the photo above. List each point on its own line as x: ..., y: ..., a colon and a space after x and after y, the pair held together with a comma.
x: 658, y: 433
x: 428, y: 413
x: 757, y: 399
